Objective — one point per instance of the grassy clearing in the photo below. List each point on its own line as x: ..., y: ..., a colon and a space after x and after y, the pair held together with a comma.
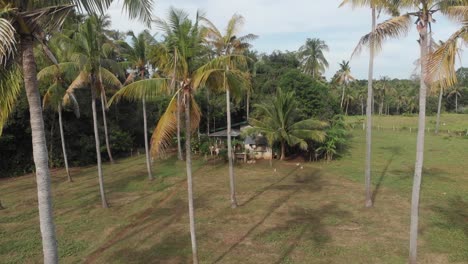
x: 453, y: 123
x: 313, y: 215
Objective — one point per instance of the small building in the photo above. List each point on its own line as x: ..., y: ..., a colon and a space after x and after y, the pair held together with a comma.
x: 254, y: 147
x: 258, y: 147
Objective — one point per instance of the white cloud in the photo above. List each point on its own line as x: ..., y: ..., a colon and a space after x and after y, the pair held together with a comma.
x: 284, y: 25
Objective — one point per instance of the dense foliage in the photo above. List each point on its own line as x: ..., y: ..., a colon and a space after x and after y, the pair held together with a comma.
x: 315, y: 96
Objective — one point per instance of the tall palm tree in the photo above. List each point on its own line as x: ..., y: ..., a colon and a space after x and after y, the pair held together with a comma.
x: 424, y: 13
x: 185, y: 44
x: 375, y: 6
x: 137, y: 55
x: 343, y: 78
x: 57, y: 97
x: 312, y: 59
x: 28, y: 23
x: 87, y: 54
x: 277, y: 120
x: 225, y: 45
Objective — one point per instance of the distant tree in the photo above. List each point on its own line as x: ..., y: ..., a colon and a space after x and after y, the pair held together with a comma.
x: 457, y: 92
x: 137, y: 55
x: 343, y: 77
x: 312, y: 58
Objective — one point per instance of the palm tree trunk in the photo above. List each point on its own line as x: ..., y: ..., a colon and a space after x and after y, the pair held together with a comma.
x: 98, y: 147
x: 456, y: 103
x: 208, y: 112
x: 179, y: 145
x: 342, y: 97
x: 248, y: 105
x: 419, y: 150
x: 65, y: 160
x: 229, y: 146
x: 188, y: 162
x: 283, y: 150
x: 109, y: 153
x: 439, y: 106
x: 44, y: 193
x: 51, y: 143
x: 362, y: 107
x: 347, y: 105
x: 145, y: 131
x: 367, y: 173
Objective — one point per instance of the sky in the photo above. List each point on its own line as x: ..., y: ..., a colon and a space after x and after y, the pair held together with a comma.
x: 285, y: 25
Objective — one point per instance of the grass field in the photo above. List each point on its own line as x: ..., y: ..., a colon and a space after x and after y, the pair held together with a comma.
x: 449, y: 123
x: 287, y: 215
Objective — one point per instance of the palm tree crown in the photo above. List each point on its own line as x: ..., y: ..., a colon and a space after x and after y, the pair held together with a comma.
x: 312, y: 59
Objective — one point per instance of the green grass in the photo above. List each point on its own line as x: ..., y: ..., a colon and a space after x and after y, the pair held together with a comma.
x: 449, y: 123
x: 314, y: 215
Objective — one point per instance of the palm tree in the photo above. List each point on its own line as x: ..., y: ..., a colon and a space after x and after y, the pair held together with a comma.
x: 57, y: 97
x: 137, y: 55
x: 185, y: 45
x: 456, y: 90
x: 374, y: 45
x: 278, y: 122
x: 226, y: 45
x: 87, y: 52
x: 424, y: 14
x: 343, y: 77
x: 28, y: 22
x: 312, y: 59
x: 177, y: 49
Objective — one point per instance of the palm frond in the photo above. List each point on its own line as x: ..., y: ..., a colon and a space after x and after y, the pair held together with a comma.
x: 441, y: 63
x: 165, y: 130
x: 144, y: 89
x: 457, y: 13
x: 395, y: 27
x: 7, y: 40
x: 10, y: 87
x: 109, y: 80
x: 81, y: 81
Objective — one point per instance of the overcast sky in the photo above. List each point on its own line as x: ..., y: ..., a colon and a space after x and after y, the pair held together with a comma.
x: 285, y: 25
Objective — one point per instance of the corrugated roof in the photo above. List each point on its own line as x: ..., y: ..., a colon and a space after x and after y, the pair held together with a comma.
x: 223, y: 133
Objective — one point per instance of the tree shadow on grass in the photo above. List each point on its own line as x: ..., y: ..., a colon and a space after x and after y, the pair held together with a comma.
x: 258, y: 193
x: 395, y: 151
x: 143, y: 227
x: 173, y: 248
x: 304, y: 181
x: 309, y: 224
x: 450, y: 228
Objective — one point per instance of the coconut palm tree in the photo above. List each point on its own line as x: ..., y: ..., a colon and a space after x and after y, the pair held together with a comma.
x: 343, y: 77
x: 183, y: 46
x: 137, y: 56
x: 312, y: 59
x: 456, y: 90
x: 177, y: 48
x: 424, y: 13
x: 375, y: 6
x: 29, y: 22
x: 57, y: 97
x: 225, y: 45
x: 86, y: 49
x: 277, y: 120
